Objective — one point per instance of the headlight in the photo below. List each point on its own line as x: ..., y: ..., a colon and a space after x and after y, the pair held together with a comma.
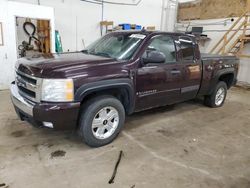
x: 57, y: 90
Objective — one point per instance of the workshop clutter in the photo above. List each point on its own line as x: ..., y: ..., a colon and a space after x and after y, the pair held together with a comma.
x: 108, y: 26
x: 33, y: 36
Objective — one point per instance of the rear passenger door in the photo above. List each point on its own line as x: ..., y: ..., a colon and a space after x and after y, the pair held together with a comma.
x: 191, y: 67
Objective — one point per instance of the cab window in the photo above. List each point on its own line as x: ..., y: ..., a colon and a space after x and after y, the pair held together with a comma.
x: 187, y: 48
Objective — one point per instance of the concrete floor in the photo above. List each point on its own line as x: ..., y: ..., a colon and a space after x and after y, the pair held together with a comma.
x: 182, y: 146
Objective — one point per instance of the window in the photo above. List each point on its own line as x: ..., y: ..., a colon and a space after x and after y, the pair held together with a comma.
x: 187, y: 48
x: 164, y: 44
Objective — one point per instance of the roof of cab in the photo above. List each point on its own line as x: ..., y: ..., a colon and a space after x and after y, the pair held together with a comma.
x: 146, y: 32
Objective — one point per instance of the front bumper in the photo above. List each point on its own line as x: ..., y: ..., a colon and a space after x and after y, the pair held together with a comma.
x: 19, y: 102
x: 62, y: 116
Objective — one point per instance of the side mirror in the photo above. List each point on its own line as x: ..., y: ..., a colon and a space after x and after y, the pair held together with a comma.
x: 154, y: 57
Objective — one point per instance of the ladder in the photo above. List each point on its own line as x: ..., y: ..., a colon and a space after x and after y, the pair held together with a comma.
x: 234, y: 40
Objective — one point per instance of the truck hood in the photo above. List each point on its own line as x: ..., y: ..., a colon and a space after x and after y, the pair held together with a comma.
x: 59, y: 65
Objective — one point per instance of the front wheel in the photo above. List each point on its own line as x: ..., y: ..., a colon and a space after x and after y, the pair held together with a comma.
x: 101, y: 120
x: 217, y: 98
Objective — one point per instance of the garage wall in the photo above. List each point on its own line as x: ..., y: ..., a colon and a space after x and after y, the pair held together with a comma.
x: 77, y: 20
x: 3, y: 49
x: 215, y: 29
x: 244, y: 72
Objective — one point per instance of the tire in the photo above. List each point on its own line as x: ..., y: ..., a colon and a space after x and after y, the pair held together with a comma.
x: 95, y: 120
x: 212, y: 101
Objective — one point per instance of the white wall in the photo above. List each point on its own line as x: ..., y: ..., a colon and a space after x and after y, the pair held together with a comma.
x: 169, y: 15
x: 3, y: 49
x: 215, y: 29
x: 186, y: 1
x: 77, y: 20
x: 8, y: 53
x: 244, y: 72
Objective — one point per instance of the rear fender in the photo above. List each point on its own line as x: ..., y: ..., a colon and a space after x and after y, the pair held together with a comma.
x: 216, y: 78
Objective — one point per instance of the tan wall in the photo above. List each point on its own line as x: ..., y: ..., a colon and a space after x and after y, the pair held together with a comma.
x: 189, y: 12
x: 248, y: 5
x: 212, y: 9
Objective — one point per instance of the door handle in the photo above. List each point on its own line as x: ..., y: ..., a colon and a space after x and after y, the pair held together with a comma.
x: 150, y: 67
x: 174, y: 71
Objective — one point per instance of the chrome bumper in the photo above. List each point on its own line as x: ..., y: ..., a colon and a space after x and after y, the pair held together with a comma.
x: 20, y: 102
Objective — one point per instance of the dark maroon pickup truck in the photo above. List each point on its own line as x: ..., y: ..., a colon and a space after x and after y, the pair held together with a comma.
x: 121, y: 73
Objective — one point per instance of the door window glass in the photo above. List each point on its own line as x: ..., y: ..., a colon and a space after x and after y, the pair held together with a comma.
x: 165, y: 45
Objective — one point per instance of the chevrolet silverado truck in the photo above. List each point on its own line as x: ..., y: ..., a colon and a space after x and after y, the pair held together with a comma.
x: 92, y: 91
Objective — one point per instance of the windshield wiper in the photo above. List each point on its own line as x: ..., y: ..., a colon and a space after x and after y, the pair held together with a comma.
x: 85, y: 51
x: 101, y: 54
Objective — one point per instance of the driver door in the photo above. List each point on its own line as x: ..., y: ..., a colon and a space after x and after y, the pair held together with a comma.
x: 158, y: 84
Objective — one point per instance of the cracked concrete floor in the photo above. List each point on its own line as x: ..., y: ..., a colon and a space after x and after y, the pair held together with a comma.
x: 182, y: 146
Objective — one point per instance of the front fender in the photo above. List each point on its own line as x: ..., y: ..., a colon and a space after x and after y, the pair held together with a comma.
x: 124, y: 83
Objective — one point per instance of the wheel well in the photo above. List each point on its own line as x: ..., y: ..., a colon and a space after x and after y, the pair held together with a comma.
x: 228, y: 79
x: 122, y: 94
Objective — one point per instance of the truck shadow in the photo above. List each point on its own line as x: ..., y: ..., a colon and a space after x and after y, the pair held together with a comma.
x: 53, y: 139
x: 138, y: 119
x: 132, y: 122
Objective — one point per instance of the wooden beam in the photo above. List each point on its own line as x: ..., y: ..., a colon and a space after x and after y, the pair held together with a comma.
x: 244, y: 56
x: 229, y: 30
x: 233, y: 45
x: 244, y: 34
x: 231, y: 37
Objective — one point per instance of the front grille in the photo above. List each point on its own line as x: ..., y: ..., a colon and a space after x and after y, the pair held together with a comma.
x: 28, y: 79
x: 25, y: 91
x: 28, y: 86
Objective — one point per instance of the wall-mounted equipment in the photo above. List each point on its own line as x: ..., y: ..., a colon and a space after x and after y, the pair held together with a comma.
x: 33, y: 36
x: 197, y: 30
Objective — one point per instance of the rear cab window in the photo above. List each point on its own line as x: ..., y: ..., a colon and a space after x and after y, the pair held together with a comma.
x: 186, y: 48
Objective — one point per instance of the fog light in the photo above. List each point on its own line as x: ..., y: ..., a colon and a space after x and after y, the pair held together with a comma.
x: 48, y: 124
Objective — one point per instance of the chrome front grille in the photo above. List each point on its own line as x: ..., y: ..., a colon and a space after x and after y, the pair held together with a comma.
x: 28, y: 86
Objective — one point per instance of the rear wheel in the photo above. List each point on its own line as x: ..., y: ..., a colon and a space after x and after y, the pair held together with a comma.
x: 101, y: 120
x: 217, y: 98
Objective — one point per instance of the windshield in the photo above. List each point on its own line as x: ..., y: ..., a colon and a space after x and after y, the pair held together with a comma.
x: 117, y: 46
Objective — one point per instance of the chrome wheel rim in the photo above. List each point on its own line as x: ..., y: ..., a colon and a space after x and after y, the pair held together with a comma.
x: 219, y: 97
x: 105, y: 122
